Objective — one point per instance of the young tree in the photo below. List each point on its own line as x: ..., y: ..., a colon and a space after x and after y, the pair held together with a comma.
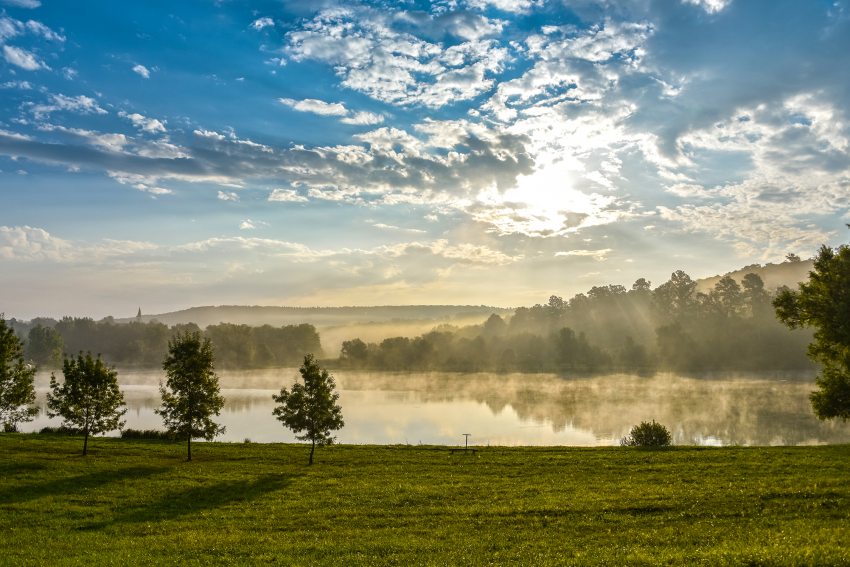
x: 823, y: 302
x: 16, y: 381
x: 89, y: 399
x: 190, y: 395
x: 310, y: 409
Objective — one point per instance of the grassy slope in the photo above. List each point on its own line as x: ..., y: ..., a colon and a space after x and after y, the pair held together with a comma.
x: 137, y: 502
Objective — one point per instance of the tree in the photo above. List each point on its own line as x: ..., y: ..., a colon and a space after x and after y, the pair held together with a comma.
x: 190, y: 395
x: 823, y: 302
x: 44, y: 346
x: 89, y: 399
x: 310, y: 409
x: 16, y: 381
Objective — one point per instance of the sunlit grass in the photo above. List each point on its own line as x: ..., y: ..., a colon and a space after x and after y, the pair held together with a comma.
x: 138, y: 502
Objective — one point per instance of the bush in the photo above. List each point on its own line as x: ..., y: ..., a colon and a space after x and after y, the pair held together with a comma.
x: 147, y: 434
x: 647, y: 434
x: 62, y: 430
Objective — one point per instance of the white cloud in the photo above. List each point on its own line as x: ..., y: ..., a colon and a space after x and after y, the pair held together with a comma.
x: 151, y: 125
x: 710, y: 6
x: 42, y: 30
x: 315, y: 106
x: 364, y: 118
x: 228, y: 196
x: 391, y: 227
x: 261, y: 23
x: 247, y: 224
x: 23, y: 58
x: 287, y: 196
x: 142, y: 71
x: 323, y: 108
x: 145, y: 184
x: 370, y: 56
x: 31, y: 4
x: 598, y: 255
x: 515, y: 6
x: 80, y: 104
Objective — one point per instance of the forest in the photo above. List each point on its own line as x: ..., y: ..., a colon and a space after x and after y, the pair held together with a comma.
x: 142, y: 344
x: 673, y: 327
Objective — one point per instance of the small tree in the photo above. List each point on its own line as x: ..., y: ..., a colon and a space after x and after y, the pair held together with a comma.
x: 647, y: 434
x: 16, y: 381
x: 190, y: 395
x: 310, y: 409
x: 89, y: 399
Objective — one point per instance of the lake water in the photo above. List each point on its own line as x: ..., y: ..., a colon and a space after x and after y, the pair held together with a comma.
x: 512, y: 409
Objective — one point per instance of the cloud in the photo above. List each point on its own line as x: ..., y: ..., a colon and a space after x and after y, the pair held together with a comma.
x: 710, y: 6
x: 261, y: 23
x: 42, y: 30
x: 598, y: 255
x: 286, y: 196
x: 228, y: 196
x: 31, y: 4
x: 151, y: 125
x: 391, y: 227
x: 515, y: 6
x: 363, y: 119
x: 140, y: 183
x: 80, y: 104
x: 323, y: 108
x: 396, y: 67
x: 142, y: 71
x: 23, y: 58
x: 315, y: 106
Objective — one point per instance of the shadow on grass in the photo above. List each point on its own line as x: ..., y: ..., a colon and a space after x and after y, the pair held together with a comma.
x: 74, y: 484
x: 194, y: 501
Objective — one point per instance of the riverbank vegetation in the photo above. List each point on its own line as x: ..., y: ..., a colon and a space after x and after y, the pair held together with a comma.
x: 139, y: 502
x: 672, y: 327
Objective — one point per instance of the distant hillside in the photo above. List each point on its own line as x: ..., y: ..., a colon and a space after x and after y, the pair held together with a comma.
x: 774, y: 275
x: 323, y: 317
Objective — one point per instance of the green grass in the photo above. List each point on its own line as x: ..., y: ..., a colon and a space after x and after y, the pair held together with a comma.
x: 139, y: 502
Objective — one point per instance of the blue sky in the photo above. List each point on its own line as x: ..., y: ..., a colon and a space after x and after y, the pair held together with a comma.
x: 170, y: 154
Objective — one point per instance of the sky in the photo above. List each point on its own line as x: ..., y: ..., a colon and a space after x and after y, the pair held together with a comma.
x: 164, y: 155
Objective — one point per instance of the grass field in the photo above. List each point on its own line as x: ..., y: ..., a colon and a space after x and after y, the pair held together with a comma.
x: 139, y: 502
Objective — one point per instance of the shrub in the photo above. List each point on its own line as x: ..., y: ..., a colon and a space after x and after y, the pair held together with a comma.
x: 61, y: 430
x: 647, y: 434
x: 148, y: 434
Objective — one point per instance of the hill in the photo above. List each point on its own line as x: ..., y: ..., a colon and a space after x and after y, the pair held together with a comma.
x: 773, y: 275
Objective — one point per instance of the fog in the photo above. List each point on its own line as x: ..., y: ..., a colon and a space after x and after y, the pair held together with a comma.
x: 515, y: 409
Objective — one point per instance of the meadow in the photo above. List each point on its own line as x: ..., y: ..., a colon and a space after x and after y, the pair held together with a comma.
x: 140, y: 502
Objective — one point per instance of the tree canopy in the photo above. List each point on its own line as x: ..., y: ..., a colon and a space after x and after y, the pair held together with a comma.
x: 16, y: 381
x: 191, y: 394
x: 823, y: 302
x: 89, y: 399
x: 310, y: 409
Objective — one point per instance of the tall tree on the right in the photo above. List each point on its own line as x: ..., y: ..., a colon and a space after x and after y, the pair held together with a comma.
x: 823, y: 302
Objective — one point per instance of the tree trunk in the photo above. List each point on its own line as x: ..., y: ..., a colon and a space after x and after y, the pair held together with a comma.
x: 189, y: 447
x: 313, y: 448
x: 86, y: 443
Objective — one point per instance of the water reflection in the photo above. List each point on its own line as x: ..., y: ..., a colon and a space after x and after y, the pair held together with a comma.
x: 515, y: 409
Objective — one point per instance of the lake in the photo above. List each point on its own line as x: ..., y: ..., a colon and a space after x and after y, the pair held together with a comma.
x: 512, y: 409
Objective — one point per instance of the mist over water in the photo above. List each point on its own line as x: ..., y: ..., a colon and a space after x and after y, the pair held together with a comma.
x: 513, y: 409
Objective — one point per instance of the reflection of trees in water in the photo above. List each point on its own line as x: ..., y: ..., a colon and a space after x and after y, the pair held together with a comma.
x: 740, y: 410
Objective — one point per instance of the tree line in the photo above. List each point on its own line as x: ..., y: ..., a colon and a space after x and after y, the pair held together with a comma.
x: 610, y: 328
x: 144, y: 344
